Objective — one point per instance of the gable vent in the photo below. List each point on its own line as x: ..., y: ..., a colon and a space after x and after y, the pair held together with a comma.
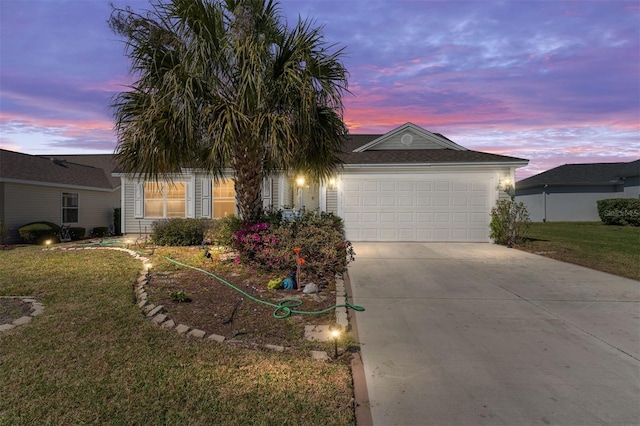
x: 406, y: 139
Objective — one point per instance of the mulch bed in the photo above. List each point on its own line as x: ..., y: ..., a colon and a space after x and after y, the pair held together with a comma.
x: 216, y: 308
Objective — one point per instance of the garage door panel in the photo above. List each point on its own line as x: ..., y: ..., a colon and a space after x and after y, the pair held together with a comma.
x: 388, y: 186
x: 394, y: 208
x: 458, y: 217
x: 369, y: 217
x: 424, y: 186
x: 459, y: 186
x: 404, y: 186
x: 405, y: 201
x: 387, y: 217
x: 459, y: 201
x: 478, y: 218
x: 478, y: 201
x: 369, y: 201
x: 442, y: 186
x: 441, y: 201
x: 405, y: 217
x: 423, y: 201
x: 441, y: 217
x: 424, y: 217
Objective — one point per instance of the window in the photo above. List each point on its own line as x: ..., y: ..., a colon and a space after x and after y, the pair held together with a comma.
x: 164, y: 199
x: 224, y: 195
x: 69, y: 207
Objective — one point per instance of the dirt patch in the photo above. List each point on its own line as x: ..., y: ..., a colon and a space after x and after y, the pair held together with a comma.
x: 12, y: 308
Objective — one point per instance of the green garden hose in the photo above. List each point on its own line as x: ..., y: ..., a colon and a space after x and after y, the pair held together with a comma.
x: 284, y: 308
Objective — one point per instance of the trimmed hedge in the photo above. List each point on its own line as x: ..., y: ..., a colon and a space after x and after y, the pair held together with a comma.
x: 179, y: 231
x: 77, y: 233
x: 619, y: 211
x: 39, y: 232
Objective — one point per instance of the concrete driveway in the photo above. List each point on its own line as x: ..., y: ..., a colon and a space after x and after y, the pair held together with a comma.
x: 466, y: 334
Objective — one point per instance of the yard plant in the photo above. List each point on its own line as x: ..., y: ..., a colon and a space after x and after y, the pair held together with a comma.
x: 227, y: 85
x: 91, y: 357
x: 607, y: 248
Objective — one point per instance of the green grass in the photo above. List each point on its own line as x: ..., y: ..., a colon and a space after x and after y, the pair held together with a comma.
x: 612, y: 249
x: 91, y: 357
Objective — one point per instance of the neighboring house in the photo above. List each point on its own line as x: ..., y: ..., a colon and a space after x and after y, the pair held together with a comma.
x: 406, y: 185
x: 570, y: 192
x: 74, y: 190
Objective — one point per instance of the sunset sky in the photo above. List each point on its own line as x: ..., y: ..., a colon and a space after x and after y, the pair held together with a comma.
x: 554, y: 82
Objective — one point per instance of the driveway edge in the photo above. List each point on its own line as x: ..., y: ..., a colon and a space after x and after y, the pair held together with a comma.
x: 360, y: 394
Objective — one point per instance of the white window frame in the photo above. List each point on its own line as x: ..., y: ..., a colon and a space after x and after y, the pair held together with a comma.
x: 64, y: 208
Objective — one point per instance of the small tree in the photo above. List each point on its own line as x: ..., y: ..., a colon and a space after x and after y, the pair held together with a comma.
x: 509, y: 222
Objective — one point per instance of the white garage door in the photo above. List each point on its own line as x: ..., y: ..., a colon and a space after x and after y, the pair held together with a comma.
x: 401, y: 208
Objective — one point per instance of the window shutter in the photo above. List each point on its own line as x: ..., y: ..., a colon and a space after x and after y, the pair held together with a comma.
x: 138, y: 197
x: 190, y: 201
x: 206, y: 198
x: 266, y: 193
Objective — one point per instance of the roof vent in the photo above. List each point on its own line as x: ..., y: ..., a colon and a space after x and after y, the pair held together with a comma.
x: 406, y: 139
x: 59, y: 161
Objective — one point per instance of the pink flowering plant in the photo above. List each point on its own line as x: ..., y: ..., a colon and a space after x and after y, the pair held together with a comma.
x: 278, y: 246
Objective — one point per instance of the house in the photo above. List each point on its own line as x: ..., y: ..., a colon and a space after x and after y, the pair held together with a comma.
x: 406, y: 185
x: 74, y: 190
x: 570, y: 192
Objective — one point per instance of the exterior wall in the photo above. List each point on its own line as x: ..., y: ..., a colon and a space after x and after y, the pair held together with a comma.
x: 141, y: 226
x: 34, y: 203
x: 632, y: 187
x: 558, y: 204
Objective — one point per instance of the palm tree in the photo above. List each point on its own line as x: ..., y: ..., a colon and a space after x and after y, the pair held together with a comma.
x: 224, y: 84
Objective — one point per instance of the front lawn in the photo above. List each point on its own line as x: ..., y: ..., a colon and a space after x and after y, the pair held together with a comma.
x: 608, y: 248
x: 92, y: 357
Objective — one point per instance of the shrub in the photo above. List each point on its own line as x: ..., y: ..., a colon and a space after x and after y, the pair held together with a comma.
x: 77, y: 233
x: 179, y: 231
x: 39, y: 232
x: 100, y: 231
x: 509, y: 223
x: 220, y: 231
x: 619, y: 211
x: 319, y: 237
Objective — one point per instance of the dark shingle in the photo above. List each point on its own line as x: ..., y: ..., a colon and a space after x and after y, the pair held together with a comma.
x: 55, y: 170
x: 415, y: 156
x: 583, y: 174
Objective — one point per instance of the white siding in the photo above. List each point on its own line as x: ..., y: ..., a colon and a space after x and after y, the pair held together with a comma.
x: 34, y: 203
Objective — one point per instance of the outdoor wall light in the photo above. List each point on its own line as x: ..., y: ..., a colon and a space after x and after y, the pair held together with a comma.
x: 333, y: 183
x: 506, y: 183
x: 300, y: 183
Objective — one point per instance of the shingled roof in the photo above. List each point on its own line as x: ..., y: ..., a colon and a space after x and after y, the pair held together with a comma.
x: 25, y: 168
x: 413, y: 156
x: 583, y: 174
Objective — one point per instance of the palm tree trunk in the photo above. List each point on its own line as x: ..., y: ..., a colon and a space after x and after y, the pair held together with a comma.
x: 248, y: 186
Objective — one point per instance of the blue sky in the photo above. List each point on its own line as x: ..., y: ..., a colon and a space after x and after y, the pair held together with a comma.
x: 552, y: 81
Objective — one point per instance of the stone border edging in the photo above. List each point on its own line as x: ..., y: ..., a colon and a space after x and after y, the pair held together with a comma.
x: 37, y: 309
x: 156, y: 313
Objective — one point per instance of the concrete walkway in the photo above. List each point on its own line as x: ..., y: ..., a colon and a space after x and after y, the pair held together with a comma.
x: 466, y: 334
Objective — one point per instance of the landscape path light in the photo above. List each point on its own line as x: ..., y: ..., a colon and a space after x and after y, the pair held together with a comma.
x: 335, y: 334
